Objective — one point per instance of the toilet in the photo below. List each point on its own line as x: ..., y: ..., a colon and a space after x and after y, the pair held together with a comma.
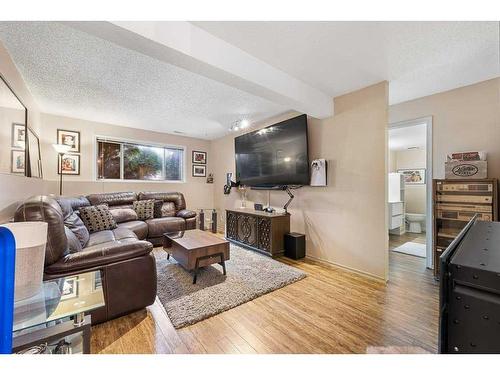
x: 415, y: 222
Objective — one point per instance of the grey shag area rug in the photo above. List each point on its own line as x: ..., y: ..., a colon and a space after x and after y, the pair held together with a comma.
x: 249, y: 275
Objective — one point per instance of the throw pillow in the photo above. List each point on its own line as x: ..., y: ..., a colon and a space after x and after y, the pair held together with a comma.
x: 168, y: 209
x: 157, y: 208
x: 74, y: 245
x: 145, y: 209
x: 76, y: 225
x: 97, y: 218
x: 72, y: 221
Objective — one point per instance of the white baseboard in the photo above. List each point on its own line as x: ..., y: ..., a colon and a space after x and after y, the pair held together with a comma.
x: 346, y: 268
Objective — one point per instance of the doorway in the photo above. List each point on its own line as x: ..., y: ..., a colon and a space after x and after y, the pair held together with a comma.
x: 410, y: 188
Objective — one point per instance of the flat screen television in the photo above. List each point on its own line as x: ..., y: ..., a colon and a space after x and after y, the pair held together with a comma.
x: 274, y: 156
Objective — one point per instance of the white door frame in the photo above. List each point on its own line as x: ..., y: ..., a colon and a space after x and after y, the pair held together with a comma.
x: 428, y: 181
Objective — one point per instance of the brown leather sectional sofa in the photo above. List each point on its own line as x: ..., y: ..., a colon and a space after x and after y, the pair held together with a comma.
x: 122, y: 254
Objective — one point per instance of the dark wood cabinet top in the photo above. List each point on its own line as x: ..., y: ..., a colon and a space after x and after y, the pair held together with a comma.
x: 251, y: 211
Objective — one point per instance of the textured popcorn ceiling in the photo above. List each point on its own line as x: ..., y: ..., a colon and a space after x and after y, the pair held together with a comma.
x: 417, y: 58
x: 74, y: 74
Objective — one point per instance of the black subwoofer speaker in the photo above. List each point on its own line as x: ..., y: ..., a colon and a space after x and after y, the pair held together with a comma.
x: 295, y: 245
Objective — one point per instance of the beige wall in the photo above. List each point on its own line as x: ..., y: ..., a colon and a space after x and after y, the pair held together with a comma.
x: 414, y: 194
x: 463, y: 119
x: 15, y: 188
x: 197, y: 192
x: 345, y: 222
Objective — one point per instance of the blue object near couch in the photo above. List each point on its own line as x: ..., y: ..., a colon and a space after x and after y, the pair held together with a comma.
x: 7, y: 270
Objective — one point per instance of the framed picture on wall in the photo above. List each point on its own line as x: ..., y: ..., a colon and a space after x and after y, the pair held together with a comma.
x: 199, y: 170
x: 413, y: 176
x: 70, y: 288
x: 199, y: 157
x: 70, y: 164
x: 18, y: 135
x: 69, y: 138
x: 18, y: 161
x: 96, y: 282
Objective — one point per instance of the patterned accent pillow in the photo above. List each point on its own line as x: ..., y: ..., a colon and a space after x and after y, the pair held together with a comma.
x: 97, y: 218
x: 168, y: 209
x: 157, y: 210
x: 145, y: 209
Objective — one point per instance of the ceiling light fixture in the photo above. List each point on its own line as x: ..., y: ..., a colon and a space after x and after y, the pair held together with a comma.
x: 239, y: 124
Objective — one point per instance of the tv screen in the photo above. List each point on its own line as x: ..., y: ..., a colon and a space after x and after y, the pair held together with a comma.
x: 274, y: 156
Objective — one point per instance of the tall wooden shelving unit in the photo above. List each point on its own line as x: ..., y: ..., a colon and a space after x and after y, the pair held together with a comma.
x: 455, y: 203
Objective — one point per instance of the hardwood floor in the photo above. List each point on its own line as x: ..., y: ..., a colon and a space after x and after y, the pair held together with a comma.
x: 395, y: 241
x: 330, y: 311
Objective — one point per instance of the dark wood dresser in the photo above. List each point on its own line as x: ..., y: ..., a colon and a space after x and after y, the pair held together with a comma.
x: 455, y: 203
x: 258, y: 230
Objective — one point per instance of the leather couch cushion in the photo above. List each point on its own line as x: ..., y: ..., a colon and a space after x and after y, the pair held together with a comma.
x: 44, y: 208
x: 98, y: 238
x: 76, y: 202
x: 101, y: 255
x: 113, y: 199
x: 97, y: 218
x: 186, y: 214
x: 140, y: 228
x: 122, y: 215
x: 156, y: 227
x: 191, y: 223
x: 118, y: 234
x: 124, y: 234
x: 176, y: 198
x: 117, y: 206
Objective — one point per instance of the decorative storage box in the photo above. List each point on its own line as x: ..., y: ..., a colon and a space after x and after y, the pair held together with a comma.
x: 466, y: 169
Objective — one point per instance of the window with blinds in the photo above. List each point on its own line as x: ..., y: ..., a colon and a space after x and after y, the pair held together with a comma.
x: 119, y: 160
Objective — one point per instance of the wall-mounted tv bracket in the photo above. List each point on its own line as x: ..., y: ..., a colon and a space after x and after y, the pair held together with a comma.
x: 229, y: 184
x: 287, y: 189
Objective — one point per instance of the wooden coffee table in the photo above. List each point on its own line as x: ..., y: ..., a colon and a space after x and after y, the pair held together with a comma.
x: 195, y: 248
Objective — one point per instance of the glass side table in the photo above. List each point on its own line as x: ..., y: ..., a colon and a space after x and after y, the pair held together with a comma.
x: 56, y: 315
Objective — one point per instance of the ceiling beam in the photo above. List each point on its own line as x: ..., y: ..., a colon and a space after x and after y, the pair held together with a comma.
x: 192, y: 48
